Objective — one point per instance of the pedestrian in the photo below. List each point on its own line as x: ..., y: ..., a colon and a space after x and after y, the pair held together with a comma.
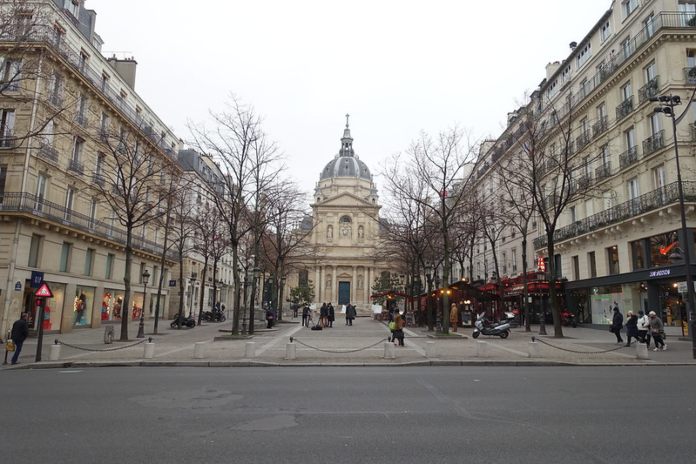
x: 305, y: 316
x: 270, y: 317
x: 350, y: 314
x: 295, y: 307
x: 657, y: 331
x: 454, y: 317
x: 323, y: 311
x: 398, y: 333
x: 331, y: 314
x: 617, y: 324
x: 644, y: 328
x: 631, y: 328
x: 20, y: 332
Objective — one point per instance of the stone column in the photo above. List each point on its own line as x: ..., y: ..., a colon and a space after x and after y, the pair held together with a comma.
x: 354, y: 286
x: 317, y: 283
x: 333, y: 294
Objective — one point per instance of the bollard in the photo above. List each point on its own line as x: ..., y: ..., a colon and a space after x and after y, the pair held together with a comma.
x: 481, y: 349
x: 642, y: 351
x: 533, y: 350
x: 290, y: 351
x: 108, y: 334
x: 250, y: 350
x: 149, y: 350
x: 199, y: 350
x: 55, y: 352
x: 430, y: 349
x: 389, y: 352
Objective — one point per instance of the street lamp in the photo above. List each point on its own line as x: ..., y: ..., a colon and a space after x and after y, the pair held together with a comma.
x: 667, y: 104
x: 141, y: 326
x: 244, y: 306
x: 254, y: 290
x: 429, y: 271
x: 193, y: 281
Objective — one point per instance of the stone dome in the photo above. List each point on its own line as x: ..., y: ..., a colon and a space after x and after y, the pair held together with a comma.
x: 346, y: 164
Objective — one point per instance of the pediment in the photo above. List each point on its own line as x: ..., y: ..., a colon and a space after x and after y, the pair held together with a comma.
x: 346, y: 199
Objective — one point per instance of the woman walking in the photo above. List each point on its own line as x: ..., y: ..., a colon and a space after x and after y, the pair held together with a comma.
x: 617, y: 324
x: 631, y: 328
x: 454, y: 317
x: 657, y: 330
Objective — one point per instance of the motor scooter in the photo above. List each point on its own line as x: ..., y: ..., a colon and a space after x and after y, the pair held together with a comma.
x: 215, y: 315
x: 483, y: 326
x: 568, y: 318
x: 184, y: 320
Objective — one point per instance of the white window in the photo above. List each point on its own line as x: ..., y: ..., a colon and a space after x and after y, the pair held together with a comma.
x: 7, y: 121
x: 649, y: 25
x: 687, y: 10
x: 584, y: 55
x: 55, y: 89
x: 630, y: 138
x: 73, y: 6
x: 659, y: 177
x: 627, y: 47
x: 655, y: 123
x: 605, y: 31
x: 650, y: 72
x: 40, y: 191
x: 628, y: 7
x: 633, y: 188
x: 626, y: 91
x: 589, y: 208
x: 10, y: 74
x: 69, y: 199
x: 92, y: 212
x: 78, y: 145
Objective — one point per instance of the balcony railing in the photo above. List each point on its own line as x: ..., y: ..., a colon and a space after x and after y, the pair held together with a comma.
x: 692, y: 128
x: 583, y: 139
x: 47, y: 152
x: 31, y: 204
x: 600, y: 126
x: 7, y: 141
x: 603, y: 171
x: 76, y: 166
x: 98, y: 179
x: 654, y: 142
x: 643, y: 204
x: 81, y: 119
x: 628, y: 157
x: 625, y: 108
x: 648, y: 91
x: 690, y: 75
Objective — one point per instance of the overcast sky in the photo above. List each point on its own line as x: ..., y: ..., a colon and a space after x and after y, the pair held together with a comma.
x: 398, y: 67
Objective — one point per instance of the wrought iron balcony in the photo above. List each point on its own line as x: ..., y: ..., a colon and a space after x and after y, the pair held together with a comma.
x: 628, y: 157
x: 651, y: 201
x: 34, y: 206
x: 47, y: 152
x: 81, y: 119
x: 56, y: 100
x: 600, y: 126
x: 690, y: 75
x: 654, y: 142
x: 76, y: 166
x: 583, y: 139
x: 603, y: 171
x: 584, y: 181
x: 625, y: 108
x: 98, y: 179
x: 7, y: 140
x: 648, y: 91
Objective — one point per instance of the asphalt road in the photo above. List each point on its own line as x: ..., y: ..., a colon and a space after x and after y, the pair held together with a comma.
x: 349, y: 415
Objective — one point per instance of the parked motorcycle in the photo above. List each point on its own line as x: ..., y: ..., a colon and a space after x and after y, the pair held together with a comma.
x: 183, y: 320
x: 568, y: 318
x: 214, y: 316
x: 483, y: 326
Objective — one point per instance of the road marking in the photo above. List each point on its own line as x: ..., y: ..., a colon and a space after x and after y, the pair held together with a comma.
x: 69, y: 372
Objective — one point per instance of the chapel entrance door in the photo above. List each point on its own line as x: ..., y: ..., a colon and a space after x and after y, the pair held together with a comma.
x: 343, y: 293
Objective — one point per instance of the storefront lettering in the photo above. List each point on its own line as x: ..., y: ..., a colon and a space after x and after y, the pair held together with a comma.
x: 660, y: 273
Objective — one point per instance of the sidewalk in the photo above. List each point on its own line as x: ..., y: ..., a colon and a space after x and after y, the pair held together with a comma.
x: 361, y: 344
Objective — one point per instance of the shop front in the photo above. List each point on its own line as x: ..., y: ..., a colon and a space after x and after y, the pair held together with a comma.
x: 53, y: 307
x: 82, y: 306
x: 111, y: 306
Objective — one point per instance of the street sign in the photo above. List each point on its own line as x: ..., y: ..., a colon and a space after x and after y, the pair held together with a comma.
x: 36, y: 278
x: 172, y: 283
x: 18, y: 286
x: 44, y: 291
x: 681, y: 287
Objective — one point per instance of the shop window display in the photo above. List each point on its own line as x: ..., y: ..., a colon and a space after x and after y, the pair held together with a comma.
x: 82, y: 306
x: 52, y: 307
x: 112, y: 301
x: 137, y: 306
x: 602, y: 300
x: 665, y: 250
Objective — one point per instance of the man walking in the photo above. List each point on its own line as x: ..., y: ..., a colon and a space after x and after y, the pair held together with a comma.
x: 305, y: 316
x: 20, y: 332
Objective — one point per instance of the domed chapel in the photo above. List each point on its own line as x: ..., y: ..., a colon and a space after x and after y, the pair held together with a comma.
x: 345, y: 233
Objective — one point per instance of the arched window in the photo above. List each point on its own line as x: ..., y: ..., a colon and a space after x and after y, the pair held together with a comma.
x: 345, y: 220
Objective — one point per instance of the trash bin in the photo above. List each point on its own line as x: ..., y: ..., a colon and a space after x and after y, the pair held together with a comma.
x: 108, y: 334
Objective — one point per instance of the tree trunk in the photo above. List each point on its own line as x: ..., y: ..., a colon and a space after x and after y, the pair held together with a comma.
x: 125, y: 312
x: 201, y: 300
x: 525, y: 293
x: 237, y: 294
x: 163, y: 260
x: 181, y: 288
x: 553, y: 297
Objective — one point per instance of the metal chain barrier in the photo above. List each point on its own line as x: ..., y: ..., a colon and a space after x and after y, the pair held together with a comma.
x: 58, y: 342
x: 292, y: 339
x: 534, y: 339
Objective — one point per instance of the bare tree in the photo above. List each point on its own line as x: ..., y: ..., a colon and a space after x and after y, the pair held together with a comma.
x: 134, y: 185
x: 240, y: 146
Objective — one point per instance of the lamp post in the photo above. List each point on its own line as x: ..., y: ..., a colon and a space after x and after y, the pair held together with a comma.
x: 141, y: 326
x: 193, y: 281
x: 244, y: 306
x: 429, y: 279
x: 252, y: 300
x: 667, y: 104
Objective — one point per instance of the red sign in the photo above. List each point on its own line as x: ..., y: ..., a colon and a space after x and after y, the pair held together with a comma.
x: 44, y: 291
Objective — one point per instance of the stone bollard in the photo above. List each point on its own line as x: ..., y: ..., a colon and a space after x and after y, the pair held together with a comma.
x: 250, y: 350
x: 533, y: 350
x: 55, y: 352
x: 429, y: 349
x: 481, y: 349
x: 199, y: 350
x: 290, y: 351
x: 149, y: 350
x: 642, y: 351
x: 389, y: 352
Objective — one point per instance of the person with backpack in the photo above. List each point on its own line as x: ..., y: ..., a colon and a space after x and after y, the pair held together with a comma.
x: 398, y: 332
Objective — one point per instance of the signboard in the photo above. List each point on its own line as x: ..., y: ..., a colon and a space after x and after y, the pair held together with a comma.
x: 44, y: 291
x: 36, y: 279
x: 172, y: 283
x: 681, y: 287
x: 541, y: 265
x: 659, y: 273
x: 18, y: 286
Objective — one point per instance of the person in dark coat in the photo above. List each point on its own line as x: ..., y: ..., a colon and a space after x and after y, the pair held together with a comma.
x: 631, y: 328
x: 350, y: 314
x: 20, y: 332
x: 331, y: 313
x: 617, y: 324
x: 305, y: 316
x: 270, y: 317
x: 323, y: 314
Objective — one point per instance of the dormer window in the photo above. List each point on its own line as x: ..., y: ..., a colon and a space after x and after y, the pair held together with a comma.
x: 73, y: 7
